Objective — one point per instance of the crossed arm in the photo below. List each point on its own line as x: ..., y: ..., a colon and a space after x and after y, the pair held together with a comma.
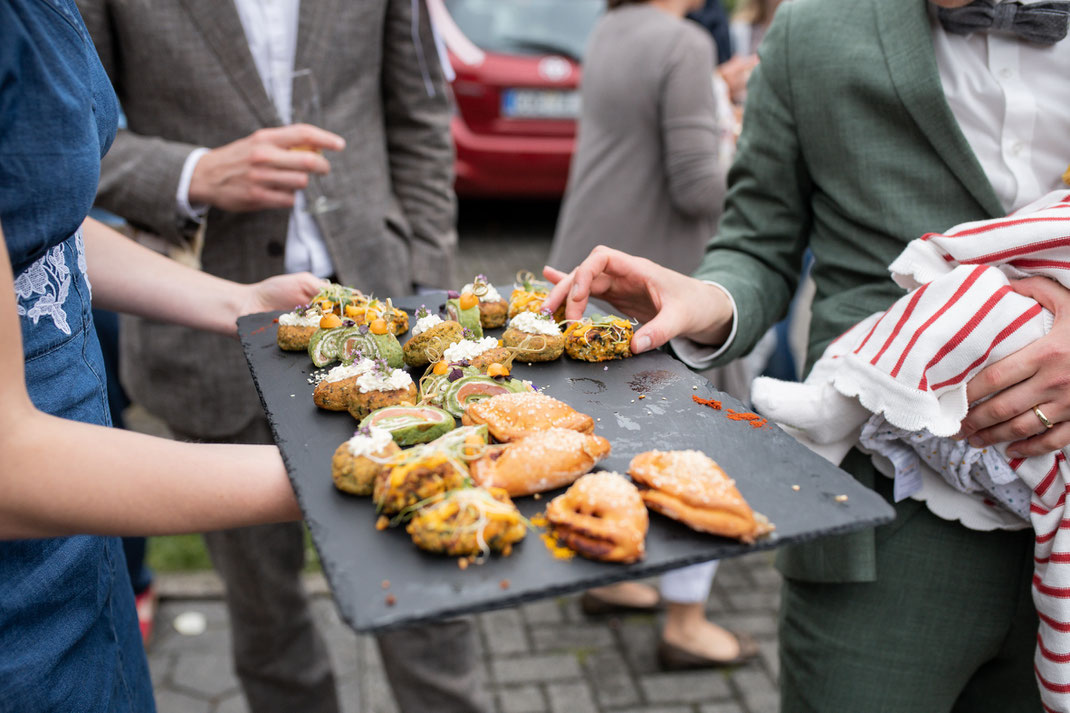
x: 63, y: 477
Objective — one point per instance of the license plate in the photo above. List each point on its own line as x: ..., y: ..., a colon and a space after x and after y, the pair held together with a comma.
x: 540, y: 104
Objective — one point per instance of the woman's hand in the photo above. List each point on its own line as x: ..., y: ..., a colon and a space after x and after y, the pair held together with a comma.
x: 279, y: 292
x: 1038, y: 375
x: 671, y: 304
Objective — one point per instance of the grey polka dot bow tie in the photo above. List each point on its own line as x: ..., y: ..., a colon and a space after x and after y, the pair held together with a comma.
x: 1043, y: 23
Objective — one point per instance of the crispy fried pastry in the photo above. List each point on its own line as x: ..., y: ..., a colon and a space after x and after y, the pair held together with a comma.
x: 541, y: 461
x: 602, y: 517
x: 469, y: 521
x: 690, y: 487
x: 511, y: 416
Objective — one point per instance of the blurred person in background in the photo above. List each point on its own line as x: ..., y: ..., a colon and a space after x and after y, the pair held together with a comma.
x: 217, y: 170
x: 648, y: 176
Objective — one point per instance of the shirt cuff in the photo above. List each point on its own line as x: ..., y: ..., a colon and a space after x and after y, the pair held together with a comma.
x: 701, y: 356
x: 185, y: 210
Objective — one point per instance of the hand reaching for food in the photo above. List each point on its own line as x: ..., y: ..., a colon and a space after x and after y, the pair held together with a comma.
x: 669, y: 303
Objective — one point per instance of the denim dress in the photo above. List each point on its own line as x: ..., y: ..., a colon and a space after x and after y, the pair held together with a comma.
x: 69, y: 639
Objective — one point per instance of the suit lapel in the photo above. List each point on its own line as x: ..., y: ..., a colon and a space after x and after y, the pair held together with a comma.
x: 219, y: 24
x: 906, y: 38
x: 313, y: 24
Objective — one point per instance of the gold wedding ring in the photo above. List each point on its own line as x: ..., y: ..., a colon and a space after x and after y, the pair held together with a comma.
x: 1042, y: 417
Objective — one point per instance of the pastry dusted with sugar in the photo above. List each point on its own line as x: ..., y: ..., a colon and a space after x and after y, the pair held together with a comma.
x: 540, y: 461
x: 689, y: 486
x: 512, y: 416
x: 602, y: 517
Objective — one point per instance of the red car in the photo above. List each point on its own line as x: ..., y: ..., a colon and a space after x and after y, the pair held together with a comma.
x: 517, y: 66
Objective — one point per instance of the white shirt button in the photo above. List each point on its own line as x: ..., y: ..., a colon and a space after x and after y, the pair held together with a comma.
x: 1016, y: 148
x: 1006, y: 73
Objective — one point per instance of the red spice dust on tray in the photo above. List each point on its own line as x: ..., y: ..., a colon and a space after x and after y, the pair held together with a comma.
x: 753, y: 419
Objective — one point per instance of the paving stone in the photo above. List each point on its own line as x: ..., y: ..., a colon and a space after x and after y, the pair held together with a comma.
x: 504, y: 631
x: 656, y: 709
x: 571, y: 698
x: 169, y: 701
x: 640, y: 646
x: 349, y: 696
x: 757, y: 624
x: 572, y: 637
x: 611, y: 679
x: 170, y: 641
x: 521, y: 699
x: 547, y: 611
x: 234, y: 703
x: 723, y: 707
x: 545, y: 667
x: 766, y: 576
x: 759, y: 693
x: 208, y: 675
x: 685, y: 687
x: 160, y: 667
x: 752, y: 599
x: 770, y: 656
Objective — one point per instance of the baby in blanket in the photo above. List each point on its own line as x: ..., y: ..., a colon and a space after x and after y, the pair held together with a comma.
x: 896, y: 384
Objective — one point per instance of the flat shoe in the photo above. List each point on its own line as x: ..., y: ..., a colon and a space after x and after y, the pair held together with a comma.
x: 596, y: 606
x: 674, y: 658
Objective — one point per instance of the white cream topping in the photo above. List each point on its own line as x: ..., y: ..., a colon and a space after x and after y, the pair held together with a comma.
x: 396, y: 380
x: 531, y: 323
x: 311, y: 318
x: 425, y: 323
x: 375, y: 442
x: 347, y: 371
x: 469, y: 349
x: 491, y: 295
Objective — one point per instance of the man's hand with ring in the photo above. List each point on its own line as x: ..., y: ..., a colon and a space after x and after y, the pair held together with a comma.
x: 1030, y: 398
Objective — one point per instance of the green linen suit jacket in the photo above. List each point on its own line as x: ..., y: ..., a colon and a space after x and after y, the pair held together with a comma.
x: 849, y: 148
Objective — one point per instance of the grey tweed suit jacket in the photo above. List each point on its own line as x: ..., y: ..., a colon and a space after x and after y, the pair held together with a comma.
x: 186, y: 78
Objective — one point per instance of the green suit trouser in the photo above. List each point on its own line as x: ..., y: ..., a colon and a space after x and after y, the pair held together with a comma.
x: 948, y: 626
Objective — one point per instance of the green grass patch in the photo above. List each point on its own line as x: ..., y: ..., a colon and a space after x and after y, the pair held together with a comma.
x: 187, y: 553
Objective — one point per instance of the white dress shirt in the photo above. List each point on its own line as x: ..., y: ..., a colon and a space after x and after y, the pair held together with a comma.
x: 271, y: 32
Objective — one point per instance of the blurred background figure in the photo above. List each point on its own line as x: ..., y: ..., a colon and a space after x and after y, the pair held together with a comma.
x: 231, y: 166
x: 648, y: 177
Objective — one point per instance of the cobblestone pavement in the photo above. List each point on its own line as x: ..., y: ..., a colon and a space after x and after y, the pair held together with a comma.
x: 545, y: 657
x: 542, y: 657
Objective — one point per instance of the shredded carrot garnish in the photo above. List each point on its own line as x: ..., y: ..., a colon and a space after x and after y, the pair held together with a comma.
x: 712, y: 403
x: 742, y: 415
x: 759, y: 423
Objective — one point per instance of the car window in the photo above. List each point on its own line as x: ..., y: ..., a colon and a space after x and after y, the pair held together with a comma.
x: 529, y: 27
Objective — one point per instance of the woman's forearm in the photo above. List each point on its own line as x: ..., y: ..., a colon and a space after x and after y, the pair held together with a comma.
x: 130, y: 278
x: 60, y: 477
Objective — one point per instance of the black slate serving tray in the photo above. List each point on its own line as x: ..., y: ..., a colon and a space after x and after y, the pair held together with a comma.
x: 381, y: 580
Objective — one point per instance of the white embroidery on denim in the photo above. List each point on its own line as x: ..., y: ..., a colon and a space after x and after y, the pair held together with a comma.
x: 50, y: 278
x: 79, y: 243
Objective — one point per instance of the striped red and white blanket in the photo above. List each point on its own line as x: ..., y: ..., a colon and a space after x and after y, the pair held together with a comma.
x: 897, y: 381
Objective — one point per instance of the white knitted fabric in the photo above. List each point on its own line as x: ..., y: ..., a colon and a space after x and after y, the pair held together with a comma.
x: 897, y: 382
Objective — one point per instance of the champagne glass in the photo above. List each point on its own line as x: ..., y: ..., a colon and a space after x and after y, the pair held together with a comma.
x: 306, y: 109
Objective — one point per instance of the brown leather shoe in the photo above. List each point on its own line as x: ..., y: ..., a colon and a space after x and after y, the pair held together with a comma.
x: 674, y: 658
x: 593, y: 605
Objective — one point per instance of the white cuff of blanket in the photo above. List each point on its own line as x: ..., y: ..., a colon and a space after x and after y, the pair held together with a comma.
x: 185, y: 210
x: 700, y: 356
